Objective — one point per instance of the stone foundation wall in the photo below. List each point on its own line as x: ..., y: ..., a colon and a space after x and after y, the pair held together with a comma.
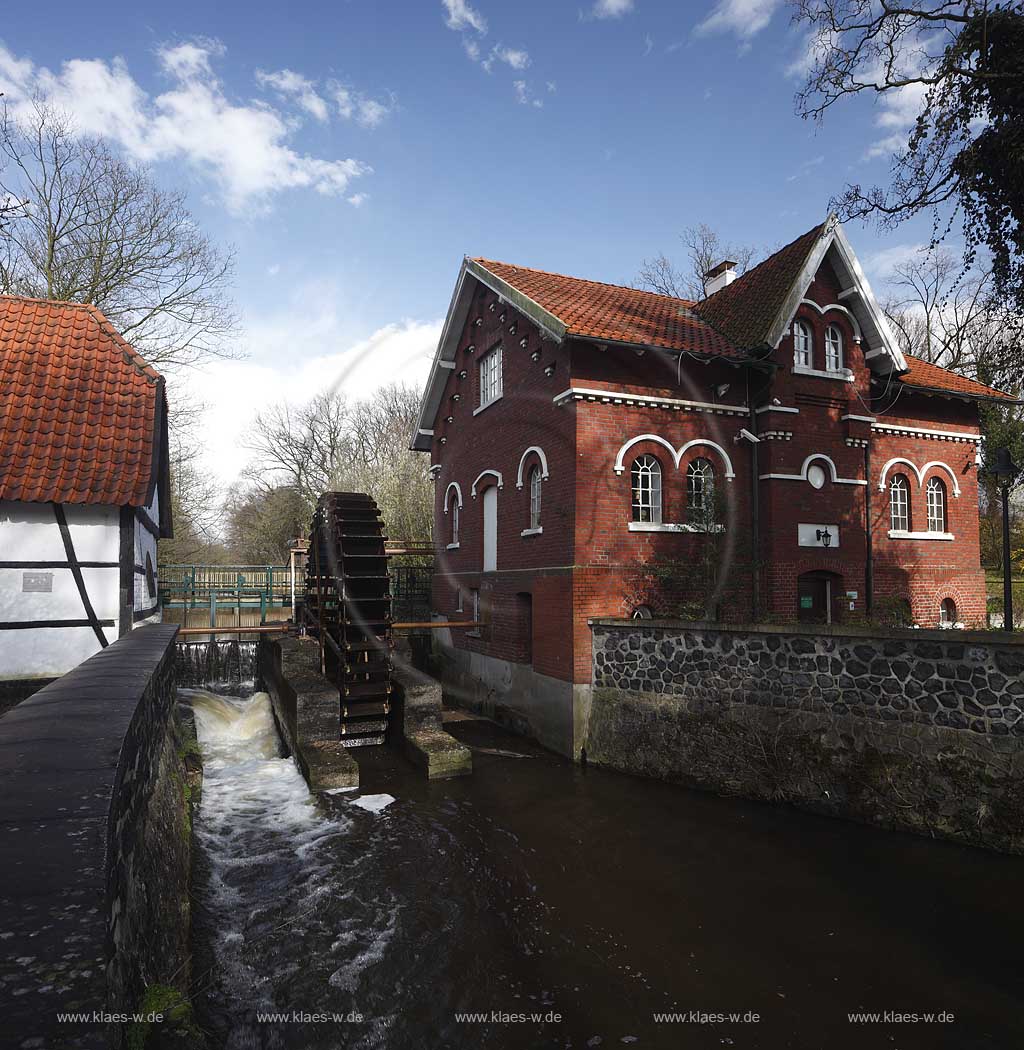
x: 95, y: 833
x: 920, y: 730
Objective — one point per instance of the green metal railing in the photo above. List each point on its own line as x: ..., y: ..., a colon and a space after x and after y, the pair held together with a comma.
x: 246, y: 588
x: 226, y: 588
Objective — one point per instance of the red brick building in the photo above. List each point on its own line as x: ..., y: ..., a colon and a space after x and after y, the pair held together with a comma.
x: 604, y: 451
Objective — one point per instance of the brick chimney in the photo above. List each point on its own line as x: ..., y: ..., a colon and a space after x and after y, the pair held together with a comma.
x: 719, y: 276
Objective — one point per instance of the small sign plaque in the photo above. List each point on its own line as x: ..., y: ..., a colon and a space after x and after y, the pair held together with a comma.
x: 38, y: 582
x: 806, y: 601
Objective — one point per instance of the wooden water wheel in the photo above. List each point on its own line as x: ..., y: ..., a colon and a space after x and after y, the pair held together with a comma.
x: 348, y: 607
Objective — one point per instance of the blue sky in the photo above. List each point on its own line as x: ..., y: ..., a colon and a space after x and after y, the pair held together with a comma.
x: 353, y: 151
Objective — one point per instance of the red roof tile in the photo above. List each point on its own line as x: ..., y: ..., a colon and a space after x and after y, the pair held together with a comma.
x: 78, y: 407
x: 745, y: 310
x: 925, y: 376
x: 609, y: 312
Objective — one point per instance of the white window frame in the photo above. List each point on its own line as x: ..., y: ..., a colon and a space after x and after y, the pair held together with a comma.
x: 803, y: 345
x: 704, y: 468
x: 455, y: 523
x: 833, y: 349
x: 899, y: 503
x: 535, y: 498
x: 458, y: 598
x: 490, y: 367
x: 645, y: 489
x: 935, y: 500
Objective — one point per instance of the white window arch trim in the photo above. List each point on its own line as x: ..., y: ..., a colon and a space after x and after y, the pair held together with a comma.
x: 677, y: 454
x: 920, y: 473
x: 854, y: 324
x: 496, y: 474
x: 522, y: 462
x: 448, y: 493
x: 814, y: 457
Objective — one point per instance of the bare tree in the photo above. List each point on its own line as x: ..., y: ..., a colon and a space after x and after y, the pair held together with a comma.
x: 327, y: 444
x: 704, y: 250
x: 95, y: 229
x: 961, y: 62
x: 303, y: 447
x: 944, y: 316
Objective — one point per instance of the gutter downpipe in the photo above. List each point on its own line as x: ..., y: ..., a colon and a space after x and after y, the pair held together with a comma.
x: 869, y: 566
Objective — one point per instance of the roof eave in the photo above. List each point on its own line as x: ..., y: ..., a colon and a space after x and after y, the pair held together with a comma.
x: 455, y: 322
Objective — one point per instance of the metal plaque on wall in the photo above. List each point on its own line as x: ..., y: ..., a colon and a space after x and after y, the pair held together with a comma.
x: 37, y: 581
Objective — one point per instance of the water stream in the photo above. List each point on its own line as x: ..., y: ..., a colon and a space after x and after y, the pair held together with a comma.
x: 570, y: 907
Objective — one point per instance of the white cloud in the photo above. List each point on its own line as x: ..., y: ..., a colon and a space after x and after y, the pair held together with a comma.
x: 232, y: 391
x: 806, y: 168
x: 288, y: 83
x: 525, y: 95
x: 648, y: 45
x: 244, y: 148
x: 514, y: 57
x: 881, y: 264
x: 463, y: 16
x: 357, y: 200
x: 611, y: 8
x: 353, y: 105
x: 743, y: 18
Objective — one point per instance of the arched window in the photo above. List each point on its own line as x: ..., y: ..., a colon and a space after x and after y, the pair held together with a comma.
x: 833, y: 349
x: 947, y: 612
x: 700, y: 489
x: 936, y: 502
x: 455, y: 522
x: 535, y: 483
x: 899, y: 503
x: 646, y: 477
x: 803, y: 346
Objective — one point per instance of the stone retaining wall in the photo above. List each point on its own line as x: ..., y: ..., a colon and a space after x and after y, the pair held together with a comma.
x: 915, y: 729
x: 95, y: 835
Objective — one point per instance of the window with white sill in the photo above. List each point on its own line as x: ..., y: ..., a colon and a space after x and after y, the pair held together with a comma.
x: 833, y: 349
x: 803, y: 345
x: 535, y: 497
x: 490, y: 377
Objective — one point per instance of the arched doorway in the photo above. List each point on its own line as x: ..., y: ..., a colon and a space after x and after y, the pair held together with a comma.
x: 816, y: 594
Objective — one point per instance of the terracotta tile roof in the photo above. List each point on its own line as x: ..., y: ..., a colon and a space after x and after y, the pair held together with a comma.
x: 78, y: 407
x: 744, y: 310
x: 925, y: 376
x: 609, y: 312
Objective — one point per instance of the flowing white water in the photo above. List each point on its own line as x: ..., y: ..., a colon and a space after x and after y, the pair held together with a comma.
x: 271, y: 890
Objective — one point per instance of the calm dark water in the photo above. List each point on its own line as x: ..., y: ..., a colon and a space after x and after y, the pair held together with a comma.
x: 536, y: 888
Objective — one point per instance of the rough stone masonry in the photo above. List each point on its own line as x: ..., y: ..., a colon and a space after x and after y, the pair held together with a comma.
x: 915, y: 729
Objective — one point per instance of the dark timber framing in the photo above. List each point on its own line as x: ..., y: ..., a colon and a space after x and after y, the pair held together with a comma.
x: 76, y: 571
x: 31, y: 625
x: 126, y: 581
x: 58, y: 565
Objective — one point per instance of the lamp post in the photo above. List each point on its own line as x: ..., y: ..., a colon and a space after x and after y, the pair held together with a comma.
x: 1005, y: 470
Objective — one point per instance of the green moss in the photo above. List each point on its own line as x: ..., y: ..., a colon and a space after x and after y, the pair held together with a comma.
x: 175, y: 1011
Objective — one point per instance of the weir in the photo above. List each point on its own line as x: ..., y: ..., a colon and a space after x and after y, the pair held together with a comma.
x: 217, y: 662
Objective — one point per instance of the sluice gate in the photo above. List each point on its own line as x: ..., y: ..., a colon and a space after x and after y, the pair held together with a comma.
x: 348, y: 609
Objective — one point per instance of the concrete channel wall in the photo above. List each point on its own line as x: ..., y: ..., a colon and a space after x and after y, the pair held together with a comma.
x: 95, y: 831
x: 921, y: 730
